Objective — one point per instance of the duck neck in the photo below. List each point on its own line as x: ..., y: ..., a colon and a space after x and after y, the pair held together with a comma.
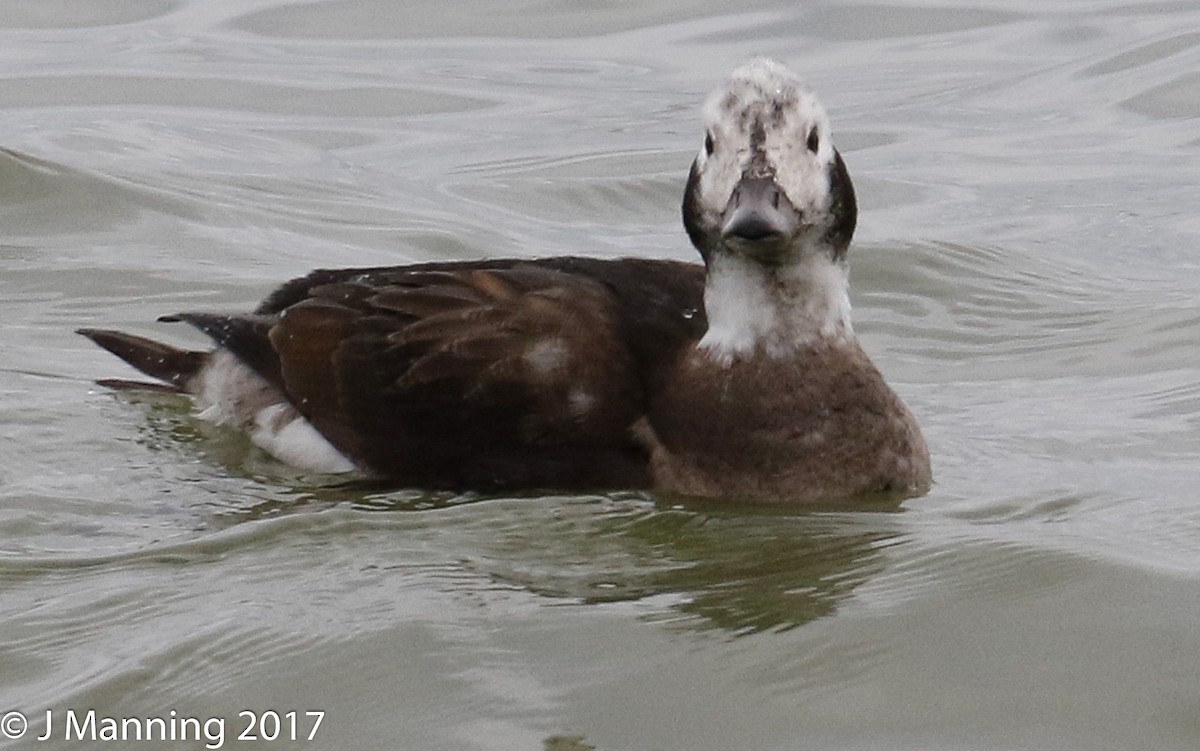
x: 756, y: 310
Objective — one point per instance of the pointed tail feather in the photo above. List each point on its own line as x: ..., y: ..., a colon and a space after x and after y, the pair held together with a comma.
x: 175, y: 367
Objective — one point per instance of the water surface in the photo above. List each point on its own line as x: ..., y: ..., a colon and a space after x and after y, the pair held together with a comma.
x: 1026, y: 274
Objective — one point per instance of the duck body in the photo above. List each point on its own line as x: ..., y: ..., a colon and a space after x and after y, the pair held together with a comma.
x: 737, y: 378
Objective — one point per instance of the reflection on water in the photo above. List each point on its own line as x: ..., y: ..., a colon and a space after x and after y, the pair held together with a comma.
x: 736, y: 577
x: 1024, y: 274
x: 739, y: 574
x: 727, y: 566
x: 728, y: 570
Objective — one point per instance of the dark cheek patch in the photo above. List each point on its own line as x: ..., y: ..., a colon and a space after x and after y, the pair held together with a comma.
x: 693, y: 215
x: 842, y: 205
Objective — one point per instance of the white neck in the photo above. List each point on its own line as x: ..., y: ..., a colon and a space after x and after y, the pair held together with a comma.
x: 755, y: 310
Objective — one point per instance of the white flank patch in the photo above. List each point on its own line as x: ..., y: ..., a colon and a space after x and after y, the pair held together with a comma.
x: 284, y: 433
x: 231, y: 393
x: 752, y: 308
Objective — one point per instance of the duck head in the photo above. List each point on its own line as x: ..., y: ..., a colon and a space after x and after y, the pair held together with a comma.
x: 768, y: 185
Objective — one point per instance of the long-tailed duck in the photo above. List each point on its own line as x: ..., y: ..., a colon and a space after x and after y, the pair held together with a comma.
x: 741, y: 378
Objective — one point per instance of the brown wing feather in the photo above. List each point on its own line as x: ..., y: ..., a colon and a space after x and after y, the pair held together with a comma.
x: 494, y: 377
x: 305, y: 339
x: 483, y: 375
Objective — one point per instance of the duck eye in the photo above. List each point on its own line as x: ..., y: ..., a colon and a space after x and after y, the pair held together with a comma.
x: 708, y: 144
x: 814, y: 141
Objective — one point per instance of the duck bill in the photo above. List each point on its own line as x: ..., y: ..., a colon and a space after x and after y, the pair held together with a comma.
x: 759, y: 220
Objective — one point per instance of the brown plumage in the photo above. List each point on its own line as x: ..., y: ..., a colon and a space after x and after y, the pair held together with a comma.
x: 739, y: 378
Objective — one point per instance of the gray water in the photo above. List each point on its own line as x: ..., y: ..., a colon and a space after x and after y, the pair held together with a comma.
x: 1026, y: 274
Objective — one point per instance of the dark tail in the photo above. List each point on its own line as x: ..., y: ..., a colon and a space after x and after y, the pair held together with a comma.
x: 173, y: 366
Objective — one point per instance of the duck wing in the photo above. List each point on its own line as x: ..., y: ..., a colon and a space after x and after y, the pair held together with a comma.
x: 483, y: 375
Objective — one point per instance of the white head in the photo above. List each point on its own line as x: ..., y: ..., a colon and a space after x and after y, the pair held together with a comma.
x: 771, y: 208
x: 768, y: 183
